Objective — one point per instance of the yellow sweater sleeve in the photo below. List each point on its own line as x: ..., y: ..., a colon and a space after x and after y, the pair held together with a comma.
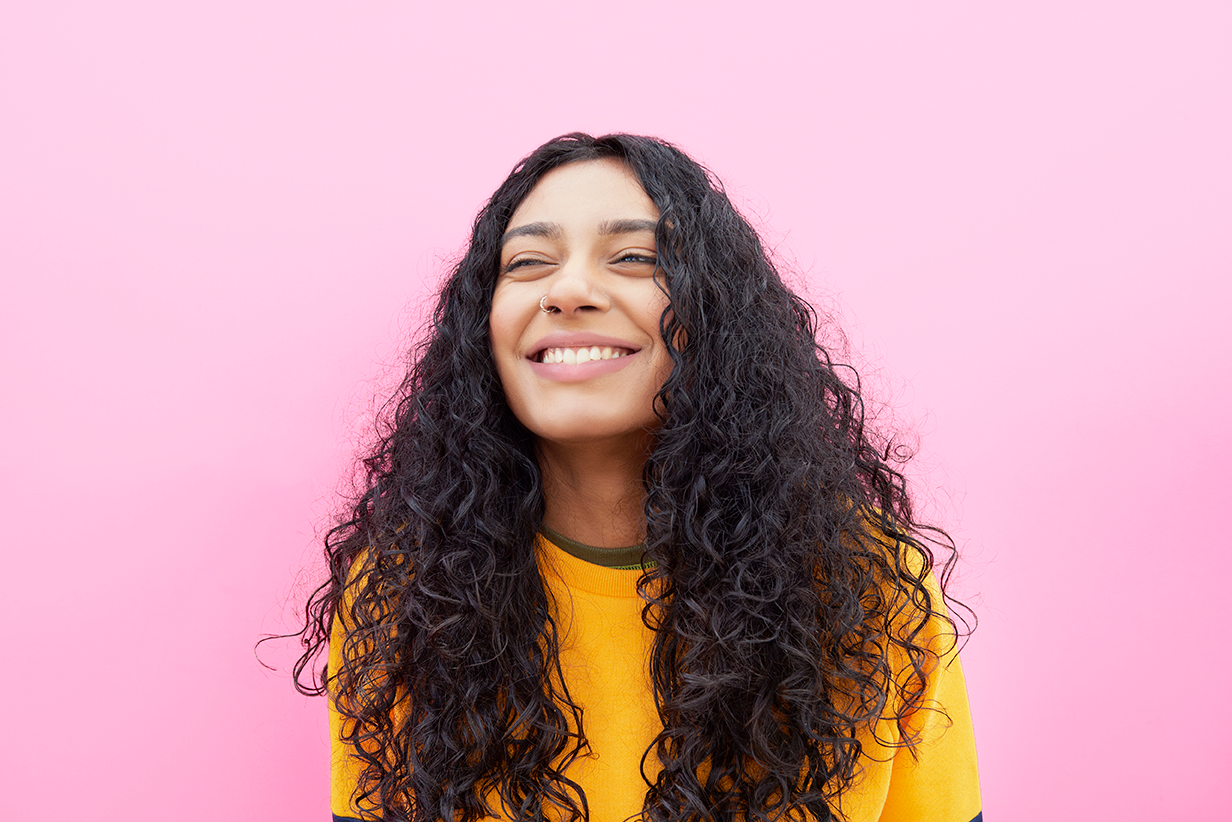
x: 940, y: 783
x: 345, y: 767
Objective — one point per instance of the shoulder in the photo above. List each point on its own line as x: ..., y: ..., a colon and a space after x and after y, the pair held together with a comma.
x: 907, y: 637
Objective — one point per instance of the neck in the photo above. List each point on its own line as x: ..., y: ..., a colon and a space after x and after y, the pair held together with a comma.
x: 593, y: 493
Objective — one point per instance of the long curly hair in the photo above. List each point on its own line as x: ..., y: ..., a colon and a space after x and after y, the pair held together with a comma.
x: 789, y: 572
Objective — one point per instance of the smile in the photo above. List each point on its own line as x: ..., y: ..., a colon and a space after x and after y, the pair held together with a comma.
x: 581, y: 355
x: 578, y: 364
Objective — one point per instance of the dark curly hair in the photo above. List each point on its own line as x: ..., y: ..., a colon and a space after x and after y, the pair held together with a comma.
x: 788, y: 574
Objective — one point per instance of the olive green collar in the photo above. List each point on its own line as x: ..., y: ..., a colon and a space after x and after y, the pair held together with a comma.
x: 621, y: 559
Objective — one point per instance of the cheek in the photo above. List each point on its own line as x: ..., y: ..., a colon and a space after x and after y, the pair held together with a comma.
x: 663, y: 311
x: 502, y: 326
x: 647, y: 305
x: 505, y: 325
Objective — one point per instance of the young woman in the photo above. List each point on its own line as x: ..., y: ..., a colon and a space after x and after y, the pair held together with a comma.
x: 627, y: 548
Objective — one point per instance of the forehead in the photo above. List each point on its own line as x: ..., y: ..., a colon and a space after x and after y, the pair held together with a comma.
x: 583, y: 193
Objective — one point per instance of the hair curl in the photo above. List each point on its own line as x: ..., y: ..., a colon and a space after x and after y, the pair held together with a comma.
x: 789, y: 568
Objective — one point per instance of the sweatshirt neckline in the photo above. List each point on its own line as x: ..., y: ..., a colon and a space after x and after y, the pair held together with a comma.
x: 577, y: 573
x: 628, y: 558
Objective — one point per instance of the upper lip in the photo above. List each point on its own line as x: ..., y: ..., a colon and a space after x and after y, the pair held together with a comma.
x: 579, y: 339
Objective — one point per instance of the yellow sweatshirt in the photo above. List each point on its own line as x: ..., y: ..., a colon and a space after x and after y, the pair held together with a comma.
x: 604, y: 651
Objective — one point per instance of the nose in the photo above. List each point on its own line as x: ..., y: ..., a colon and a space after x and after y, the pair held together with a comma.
x: 576, y: 288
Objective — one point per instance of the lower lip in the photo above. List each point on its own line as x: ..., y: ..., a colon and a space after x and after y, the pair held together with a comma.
x: 559, y: 372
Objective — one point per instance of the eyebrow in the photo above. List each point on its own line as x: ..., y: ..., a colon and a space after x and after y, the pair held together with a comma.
x: 551, y: 230
x: 611, y: 228
x: 607, y: 228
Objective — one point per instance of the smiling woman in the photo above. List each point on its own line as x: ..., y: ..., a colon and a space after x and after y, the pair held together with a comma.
x: 627, y: 549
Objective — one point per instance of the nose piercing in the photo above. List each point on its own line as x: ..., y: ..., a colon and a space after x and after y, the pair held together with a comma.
x: 546, y: 309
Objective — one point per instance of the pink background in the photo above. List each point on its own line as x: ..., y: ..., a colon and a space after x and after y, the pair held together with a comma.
x: 218, y: 220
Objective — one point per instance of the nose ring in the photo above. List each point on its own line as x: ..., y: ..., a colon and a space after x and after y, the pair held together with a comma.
x: 545, y: 308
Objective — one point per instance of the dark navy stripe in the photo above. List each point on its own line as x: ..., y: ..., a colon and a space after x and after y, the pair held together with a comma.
x: 979, y: 817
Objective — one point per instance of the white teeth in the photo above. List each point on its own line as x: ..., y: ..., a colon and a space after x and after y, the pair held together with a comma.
x: 578, y: 356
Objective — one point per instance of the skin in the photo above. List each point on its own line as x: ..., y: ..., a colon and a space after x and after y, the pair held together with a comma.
x: 582, y: 242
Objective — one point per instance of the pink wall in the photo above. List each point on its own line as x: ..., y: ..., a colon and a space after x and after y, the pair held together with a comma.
x: 213, y: 217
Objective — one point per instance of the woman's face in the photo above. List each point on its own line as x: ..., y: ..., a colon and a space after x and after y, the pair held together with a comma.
x: 582, y: 246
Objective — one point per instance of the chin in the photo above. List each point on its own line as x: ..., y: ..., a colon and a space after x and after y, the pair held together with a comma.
x: 590, y: 432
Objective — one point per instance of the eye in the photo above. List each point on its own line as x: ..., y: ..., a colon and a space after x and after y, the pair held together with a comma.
x: 523, y: 262
x: 637, y: 258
